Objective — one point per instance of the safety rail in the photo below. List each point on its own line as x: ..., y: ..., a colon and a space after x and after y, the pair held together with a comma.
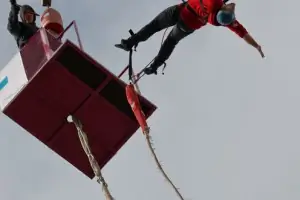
x: 73, y: 23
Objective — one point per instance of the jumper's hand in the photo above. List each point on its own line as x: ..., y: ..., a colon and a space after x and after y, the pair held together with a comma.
x: 260, y: 51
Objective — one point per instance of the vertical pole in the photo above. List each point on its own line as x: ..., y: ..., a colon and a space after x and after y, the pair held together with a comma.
x: 46, y: 44
x: 77, y: 34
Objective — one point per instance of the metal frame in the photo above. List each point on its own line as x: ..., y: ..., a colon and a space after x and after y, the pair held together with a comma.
x: 73, y: 23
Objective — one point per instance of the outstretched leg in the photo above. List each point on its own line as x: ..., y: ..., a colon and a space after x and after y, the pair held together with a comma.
x: 177, y: 33
x: 166, y: 18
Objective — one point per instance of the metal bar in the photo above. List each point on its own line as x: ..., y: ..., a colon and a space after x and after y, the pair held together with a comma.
x: 77, y: 34
x: 62, y: 34
x: 46, y: 44
x: 124, y: 70
x: 76, y: 31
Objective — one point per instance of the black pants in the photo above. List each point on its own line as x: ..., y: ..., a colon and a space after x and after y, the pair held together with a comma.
x: 167, y: 18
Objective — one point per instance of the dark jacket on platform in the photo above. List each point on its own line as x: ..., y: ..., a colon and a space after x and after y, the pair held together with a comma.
x: 21, y: 31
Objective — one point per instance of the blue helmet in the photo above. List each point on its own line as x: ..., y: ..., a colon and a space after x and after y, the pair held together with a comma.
x: 225, y: 17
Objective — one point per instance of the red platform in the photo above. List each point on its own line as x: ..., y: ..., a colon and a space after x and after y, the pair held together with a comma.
x: 71, y: 82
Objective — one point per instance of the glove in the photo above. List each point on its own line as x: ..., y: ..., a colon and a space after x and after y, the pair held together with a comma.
x: 13, y: 2
x: 15, y: 8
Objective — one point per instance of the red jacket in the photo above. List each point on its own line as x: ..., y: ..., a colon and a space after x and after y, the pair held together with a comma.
x: 210, y: 10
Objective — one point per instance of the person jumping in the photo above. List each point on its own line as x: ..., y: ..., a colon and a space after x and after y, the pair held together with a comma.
x: 186, y: 18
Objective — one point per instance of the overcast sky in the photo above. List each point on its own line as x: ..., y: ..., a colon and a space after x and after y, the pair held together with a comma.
x: 227, y: 124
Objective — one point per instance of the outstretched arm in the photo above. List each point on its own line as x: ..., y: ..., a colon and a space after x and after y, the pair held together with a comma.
x: 239, y: 29
x: 248, y: 38
x: 13, y: 23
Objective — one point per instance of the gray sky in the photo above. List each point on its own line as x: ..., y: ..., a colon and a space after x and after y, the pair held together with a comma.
x: 227, y: 126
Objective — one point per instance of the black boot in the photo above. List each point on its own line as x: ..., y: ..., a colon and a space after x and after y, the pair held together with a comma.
x: 152, y: 69
x: 127, y: 44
